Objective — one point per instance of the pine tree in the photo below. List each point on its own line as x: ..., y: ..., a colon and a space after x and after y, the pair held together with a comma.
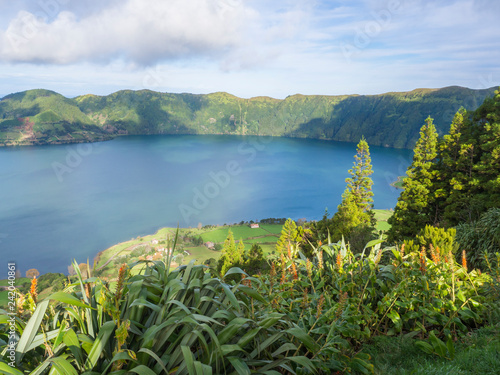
x: 412, y: 210
x: 354, y: 218
x: 453, y: 172
x: 487, y: 169
x: 229, y: 254
x: 240, y: 254
x: 254, y: 260
x: 360, y: 184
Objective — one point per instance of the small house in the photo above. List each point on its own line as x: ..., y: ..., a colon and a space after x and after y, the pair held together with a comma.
x: 209, y: 245
x: 254, y: 225
x: 154, y: 242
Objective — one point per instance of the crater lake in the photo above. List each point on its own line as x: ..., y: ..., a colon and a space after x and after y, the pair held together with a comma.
x: 65, y: 202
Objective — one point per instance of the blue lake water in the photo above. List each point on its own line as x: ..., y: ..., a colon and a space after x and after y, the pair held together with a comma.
x: 59, y: 203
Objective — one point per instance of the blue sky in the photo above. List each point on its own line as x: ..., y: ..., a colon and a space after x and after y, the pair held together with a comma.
x: 248, y: 47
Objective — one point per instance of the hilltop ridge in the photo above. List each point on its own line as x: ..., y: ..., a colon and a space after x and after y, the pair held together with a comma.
x: 392, y: 119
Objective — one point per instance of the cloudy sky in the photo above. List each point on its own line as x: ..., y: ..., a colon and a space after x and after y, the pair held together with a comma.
x: 248, y: 47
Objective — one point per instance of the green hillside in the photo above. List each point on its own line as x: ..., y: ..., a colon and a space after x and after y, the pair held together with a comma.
x: 43, y: 116
x: 390, y: 120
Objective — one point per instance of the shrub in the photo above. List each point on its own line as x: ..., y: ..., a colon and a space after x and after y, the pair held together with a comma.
x: 481, y: 238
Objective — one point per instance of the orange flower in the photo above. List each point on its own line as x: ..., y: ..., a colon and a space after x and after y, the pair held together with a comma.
x: 33, y: 289
x: 305, y: 298
x: 119, y: 284
x: 283, y: 270
x: 464, y: 260
x: 320, y: 260
x: 320, y: 306
x: 339, y: 260
x: 423, y: 261
x: 245, y: 282
x: 402, y: 251
x: 341, y: 305
x: 294, y: 271
x: 309, y: 268
x: 435, y: 254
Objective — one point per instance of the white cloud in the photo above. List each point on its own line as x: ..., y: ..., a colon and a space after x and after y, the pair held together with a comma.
x: 143, y: 32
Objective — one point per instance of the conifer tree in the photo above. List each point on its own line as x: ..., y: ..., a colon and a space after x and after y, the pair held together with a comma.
x: 359, y: 185
x: 453, y: 172
x: 412, y: 210
x: 487, y: 169
x: 254, y: 259
x: 240, y: 254
x: 229, y: 255
x: 354, y: 218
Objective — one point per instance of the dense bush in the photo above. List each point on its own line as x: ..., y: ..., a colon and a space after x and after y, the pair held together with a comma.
x: 481, y: 238
x: 305, y: 316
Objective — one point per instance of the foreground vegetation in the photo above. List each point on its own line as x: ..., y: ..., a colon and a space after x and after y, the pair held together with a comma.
x: 315, y: 315
x: 390, y: 120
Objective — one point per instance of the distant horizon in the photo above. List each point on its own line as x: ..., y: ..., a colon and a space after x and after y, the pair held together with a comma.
x: 2, y: 96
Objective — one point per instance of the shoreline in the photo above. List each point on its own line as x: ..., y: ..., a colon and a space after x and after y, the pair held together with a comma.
x: 398, y: 181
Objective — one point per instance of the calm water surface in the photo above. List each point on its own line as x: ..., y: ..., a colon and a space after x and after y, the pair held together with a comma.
x: 58, y: 203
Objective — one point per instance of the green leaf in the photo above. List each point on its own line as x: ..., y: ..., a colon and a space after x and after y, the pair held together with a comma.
x: 63, y: 366
x: 142, y: 370
x: 360, y: 365
x: 156, y: 358
x: 235, y: 270
x: 30, y: 330
x: 60, y: 335
x: 438, y: 345
x: 232, y: 298
x: 373, y: 243
x: 252, y: 293
x: 72, y: 342
x: 68, y: 299
x: 240, y: 366
x: 451, y: 347
x: 143, y: 302
x: 304, y: 338
x: 99, y: 343
x: 303, y: 361
x: 189, y: 360
x: 7, y: 370
x: 270, y: 320
x: 284, y: 348
x: 460, y: 296
x: 41, y: 338
x: 425, y: 347
x: 229, y: 348
x: 469, y: 314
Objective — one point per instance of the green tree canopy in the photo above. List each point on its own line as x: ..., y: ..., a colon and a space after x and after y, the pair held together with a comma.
x: 230, y: 255
x: 411, y: 214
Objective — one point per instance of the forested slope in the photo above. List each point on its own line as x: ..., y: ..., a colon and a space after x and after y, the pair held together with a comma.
x: 390, y: 120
